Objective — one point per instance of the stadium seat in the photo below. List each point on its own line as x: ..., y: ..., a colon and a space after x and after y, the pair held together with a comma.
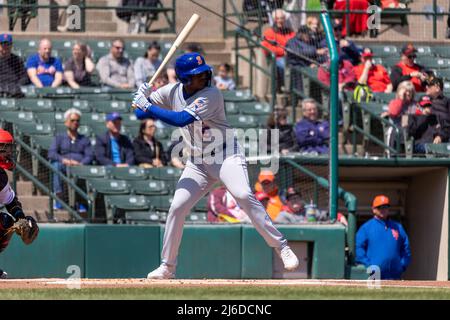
x: 433, y: 62
x: 438, y: 150
x: 110, y: 106
x: 127, y: 173
x: 201, y: 205
x: 196, y: 217
x: 444, y: 73
x: 59, y: 44
x: 160, y: 203
x: 42, y: 142
x: 164, y: 133
x: 117, y: 204
x: 254, y: 108
x: 99, y: 187
x: 242, y: 121
x: 87, y: 172
x: 132, y: 132
x: 130, y: 120
x: 65, y: 104
x: 441, y: 51
x: 424, y: 50
x: 383, y: 97
x: 15, y: 117
x: 28, y: 91
x: 231, y: 108
x: 54, y: 92
x: 238, y: 96
x: 92, y: 96
x: 384, y: 51
x: 31, y: 128
x: 35, y: 105
x: 164, y: 173
x: 50, y: 117
x: 142, y: 217
x: 390, y: 61
x: 149, y: 187
x: 8, y: 104
x: 94, y: 119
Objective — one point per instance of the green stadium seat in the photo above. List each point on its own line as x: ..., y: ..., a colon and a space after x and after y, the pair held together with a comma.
x: 164, y: 173
x: 149, y: 187
x: 255, y: 108
x: 92, y: 96
x: 444, y: 73
x: 433, y: 62
x: 424, y: 50
x: 65, y: 104
x: 441, y: 51
x: 36, y: 105
x: 243, y: 121
x: 97, y: 188
x: 130, y: 120
x: 201, y: 205
x: 50, y: 117
x: 54, y: 92
x: 438, y: 150
x: 390, y: 61
x: 377, y: 60
x: 160, y: 202
x: 124, y: 96
x: 238, y: 96
x: 94, y: 119
x: 26, y: 43
x: 59, y: 44
x: 8, y: 104
x: 110, y: 106
x: 164, y: 133
x: 142, y: 217
x: 115, y: 204
x: 384, y: 51
x: 197, y: 217
x: 231, y: 108
x: 383, y: 97
x: 31, y: 128
x: 87, y: 172
x: 42, y: 142
x: 15, y: 116
x: 127, y: 173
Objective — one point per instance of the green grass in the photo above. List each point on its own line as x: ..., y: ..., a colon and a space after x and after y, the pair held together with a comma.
x: 225, y: 293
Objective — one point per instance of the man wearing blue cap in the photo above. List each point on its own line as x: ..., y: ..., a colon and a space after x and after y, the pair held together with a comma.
x: 12, y: 71
x: 114, y: 148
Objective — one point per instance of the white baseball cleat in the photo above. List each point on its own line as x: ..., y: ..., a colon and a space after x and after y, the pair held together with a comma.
x: 3, y: 275
x: 162, y: 272
x: 289, y: 258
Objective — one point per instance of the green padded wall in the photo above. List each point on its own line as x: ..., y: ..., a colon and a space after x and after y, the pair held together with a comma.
x: 121, y: 251
x: 256, y: 255
x: 56, y: 248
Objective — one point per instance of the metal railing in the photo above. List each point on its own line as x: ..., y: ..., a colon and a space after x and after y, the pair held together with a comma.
x: 47, y: 191
x: 168, y: 12
x: 260, y: 21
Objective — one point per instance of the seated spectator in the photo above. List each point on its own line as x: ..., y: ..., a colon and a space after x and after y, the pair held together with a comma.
x: 78, y: 69
x: 383, y: 242
x: 424, y: 126
x: 114, y: 148
x: 161, y: 80
x: 222, y: 207
x: 114, y: 69
x: 408, y: 70
x: 404, y: 102
x: 43, y: 69
x: 275, y: 39
x: 347, y: 78
x: 69, y: 149
x: 192, y: 47
x: 294, y: 209
x: 357, y: 21
x: 266, y: 183
x: 263, y: 198
x: 223, y: 80
x: 373, y: 75
x: 287, y: 141
x: 315, y: 34
x: 146, y: 66
x: 441, y: 104
x: 148, y: 152
x: 302, y: 46
x: 347, y: 48
x: 312, y: 134
x: 12, y: 71
x: 392, y: 4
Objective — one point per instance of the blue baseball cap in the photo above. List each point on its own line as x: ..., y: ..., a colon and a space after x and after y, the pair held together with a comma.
x: 113, y: 116
x: 5, y: 37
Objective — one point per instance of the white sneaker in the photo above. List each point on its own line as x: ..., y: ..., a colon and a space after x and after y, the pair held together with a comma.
x: 162, y: 272
x: 289, y: 258
x: 3, y: 275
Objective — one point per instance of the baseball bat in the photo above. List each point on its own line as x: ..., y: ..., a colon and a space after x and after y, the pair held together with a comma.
x: 190, y: 25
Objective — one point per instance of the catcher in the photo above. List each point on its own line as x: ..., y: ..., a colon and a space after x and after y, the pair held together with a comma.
x: 14, y: 220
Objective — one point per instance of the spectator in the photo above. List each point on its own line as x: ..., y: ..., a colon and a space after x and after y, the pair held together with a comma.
x: 373, y: 75
x: 312, y: 134
x: 161, y: 80
x: 294, y: 209
x: 145, y: 67
x: 43, y: 69
x: 383, y: 242
x: 404, y: 102
x: 69, y: 149
x: 408, y: 70
x: 148, y: 151
x: 347, y: 48
x: 114, y: 148
x: 78, y: 69
x: 441, y: 104
x: 347, y: 78
x: 12, y: 71
x: 302, y: 52
x: 424, y: 126
x: 315, y: 34
x: 357, y: 22
x: 392, y: 4
x: 275, y: 40
x: 222, y: 207
x: 223, y: 80
x: 263, y: 198
x: 286, y: 141
x: 192, y: 47
x: 266, y: 183
x: 114, y: 69
x: 138, y: 20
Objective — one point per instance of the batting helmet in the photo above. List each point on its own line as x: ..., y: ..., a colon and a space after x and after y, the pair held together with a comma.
x: 190, y: 64
x: 6, y: 150
x: 379, y: 201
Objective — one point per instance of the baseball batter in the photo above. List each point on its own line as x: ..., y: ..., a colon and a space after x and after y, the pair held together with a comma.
x: 14, y: 220
x: 198, y: 108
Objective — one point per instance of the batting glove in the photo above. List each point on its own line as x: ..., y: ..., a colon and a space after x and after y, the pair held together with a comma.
x: 140, y: 101
x: 145, y: 89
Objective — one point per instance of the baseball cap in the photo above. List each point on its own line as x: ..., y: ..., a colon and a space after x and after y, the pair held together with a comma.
x: 367, y: 53
x: 291, y: 191
x: 435, y: 81
x: 425, y: 101
x: 409, y: 50
x: 113, y: 116
x: 261, y: 195
x: 6, y: 37
x: 266, y: 175
x: 380, y: 200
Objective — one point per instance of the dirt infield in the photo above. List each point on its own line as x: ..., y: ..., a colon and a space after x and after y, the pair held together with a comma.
x: 144, y: 283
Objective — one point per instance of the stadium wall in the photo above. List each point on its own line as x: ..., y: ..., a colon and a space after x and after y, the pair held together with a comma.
x: 207, y: 251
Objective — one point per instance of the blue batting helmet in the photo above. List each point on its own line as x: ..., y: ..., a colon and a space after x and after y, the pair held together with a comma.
x: 190, y: 64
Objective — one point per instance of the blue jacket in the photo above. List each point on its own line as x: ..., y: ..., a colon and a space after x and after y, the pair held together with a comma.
x: 103, y: 152
x: 304, y: 49
x: 80, y: 150
x: 384, y: 244
x: 312, y: 135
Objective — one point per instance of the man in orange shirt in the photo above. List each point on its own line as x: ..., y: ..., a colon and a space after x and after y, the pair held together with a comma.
x: 266, y: 184
x: 373, y: 75
x: 408, y: 70
x: 275, y: 39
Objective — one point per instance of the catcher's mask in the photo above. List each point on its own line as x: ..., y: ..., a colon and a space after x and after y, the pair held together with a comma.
x: 7, y: 150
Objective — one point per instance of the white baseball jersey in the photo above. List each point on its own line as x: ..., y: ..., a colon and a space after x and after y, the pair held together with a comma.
x: 210, y: 115
x: 7, y: 194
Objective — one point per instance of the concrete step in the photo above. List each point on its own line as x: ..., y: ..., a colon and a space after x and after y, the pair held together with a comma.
x: 214, y: 45
x: 101, y: 26
x: 98, y: 15
x: 24, y: 188
x: 34, y: 203
x: 217, y: 56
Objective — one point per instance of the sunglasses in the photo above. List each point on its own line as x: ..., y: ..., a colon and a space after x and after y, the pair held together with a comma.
x: 74, y: 120
x: 384, y: 207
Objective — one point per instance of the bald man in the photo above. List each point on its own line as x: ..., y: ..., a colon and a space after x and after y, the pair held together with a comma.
x: 43, y: 69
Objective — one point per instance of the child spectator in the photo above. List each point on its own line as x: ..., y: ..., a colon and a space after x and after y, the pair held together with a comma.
x: 223, y: 80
